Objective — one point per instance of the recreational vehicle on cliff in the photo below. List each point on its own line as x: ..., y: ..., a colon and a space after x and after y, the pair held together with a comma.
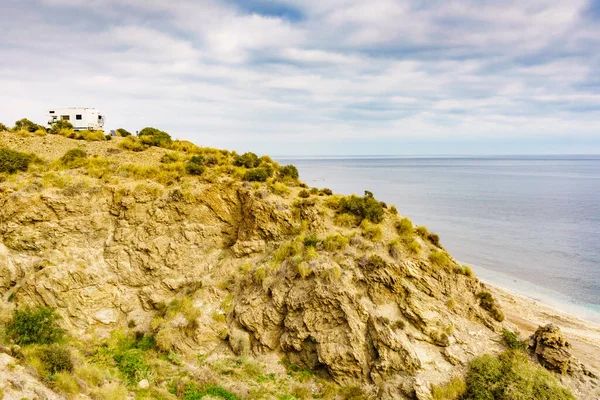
x: 80, y: 118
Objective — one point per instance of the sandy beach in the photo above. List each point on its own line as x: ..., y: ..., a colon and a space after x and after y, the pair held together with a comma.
x: 527, y: 314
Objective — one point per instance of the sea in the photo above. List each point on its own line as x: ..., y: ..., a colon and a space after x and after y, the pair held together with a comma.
x: 528, y: 224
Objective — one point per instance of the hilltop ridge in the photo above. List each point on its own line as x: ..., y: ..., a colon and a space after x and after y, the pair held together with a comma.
x: 240, y: 275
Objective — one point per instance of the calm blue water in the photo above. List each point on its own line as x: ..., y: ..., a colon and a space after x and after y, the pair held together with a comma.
x: 529, y: 224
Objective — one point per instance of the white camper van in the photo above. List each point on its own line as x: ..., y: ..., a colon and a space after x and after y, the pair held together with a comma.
x: 80, y: 118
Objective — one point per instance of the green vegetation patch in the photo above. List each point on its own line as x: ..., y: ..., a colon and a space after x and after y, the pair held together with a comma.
x: 512, y: 341
x: 258, y: 174
x: 366, y: 207
x: 289, y: 171
x: 123, y: 132
x: 512, y: 376
x: 194, y: 392
x: 246, y: 160
x: 34, y: 326
x: 73, y: 158
x: 488, y: 303
x: 155, y: 137
x: 12, y: 161
x: 27, y: 125
x: 56, y: 358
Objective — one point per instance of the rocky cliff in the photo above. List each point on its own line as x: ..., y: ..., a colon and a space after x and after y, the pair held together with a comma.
x: 213, y: 264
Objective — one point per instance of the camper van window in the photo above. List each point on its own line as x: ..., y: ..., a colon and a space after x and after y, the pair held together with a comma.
x: 78, y: 116
x: 65, y: 117
x: 99, y: 117
x: 51, y: 112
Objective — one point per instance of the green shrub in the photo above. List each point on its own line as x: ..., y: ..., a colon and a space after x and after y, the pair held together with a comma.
x: 335, y: 242
x: 55, y: 358
x: 73, y: 158
x: 169, y: 158
x: 27, y: 125
x: 34, y: 325
x: 488, y: 303
x: 440, y: 258
x: 404, y: 227
x: 193, y: 392
x: 511, y: 376
x: 155, y: 137
x: 133, y: 144
x: 257, y: 175
x: 371, y: 231
x: 132, y: 365
x: 246, y: 160
x: 365, y: 207
x: 289, y: 171
x: 108, y: 137
x: 304, y: 194
x: 59, y: 125
x: 326, y: 191
x: 311, y: 240
x: 194, y: 166
x: 512, y: 341
x: 374, y: 262
x: 422, y: 231
x: 12, y: 161
x: 123, y: 133
x: 453, y: 390
x: 434, y: 239
x: 3, y: 128
x: 393, y: 210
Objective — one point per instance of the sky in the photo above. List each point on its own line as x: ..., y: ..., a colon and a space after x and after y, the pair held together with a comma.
x: 315, y: 77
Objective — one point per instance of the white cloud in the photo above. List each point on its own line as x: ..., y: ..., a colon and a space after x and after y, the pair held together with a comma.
x: 347, y: 70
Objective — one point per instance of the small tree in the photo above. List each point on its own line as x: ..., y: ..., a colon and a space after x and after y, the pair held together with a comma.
x: 27, y: 125
x: 123, y: 133
x: 289, y: 171
x: 12, y: 161
x: 61, y: 124
x: 155, y: 137
x: 34, y: 326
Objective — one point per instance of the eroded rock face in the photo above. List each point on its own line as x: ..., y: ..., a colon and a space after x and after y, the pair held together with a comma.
x: 551, y: 349
x: 108, y: 255
x: 110, y: 251
x: 380, y: 326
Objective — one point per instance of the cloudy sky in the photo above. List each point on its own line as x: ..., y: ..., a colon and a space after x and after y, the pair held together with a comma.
x: 316, y: 76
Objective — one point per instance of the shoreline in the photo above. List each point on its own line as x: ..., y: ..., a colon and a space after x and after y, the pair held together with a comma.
x: 527, y: 314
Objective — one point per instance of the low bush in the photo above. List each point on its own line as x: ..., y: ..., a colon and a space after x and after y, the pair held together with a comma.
x: 3, y: 128
x: 488, y: 303
x: 440, y: 259
x: 393, y: 210
x: 434, y: 239
x: 133, y: 144
x: 335, y: 242
x: 304, y: 194
x: 371, y: 231
x: 194, y: 392
x: 453, y: 390
x: 422, y: 231
x: 60, y: 125
x: 465, y: 270
x: 511, y: 376
x: 326, y: 191
x: 108, y: 136
x: 73, y: 158
x: 257, y: 175
x: 311, y: 240
x: 289, y: 171
x: 27, y: 125
x: 169, y: 158
x: 123, y: 132
x: 12, y: 161
x: 511, y: 340
x: 345, y: 220
x: 365, y: 207
x: 155, y: 137
x: 55, y: 358
x: 194, y: 166
x: 34, y: 326
x: 404, y: 227
x: 246, y: 160
x: 132, y: 365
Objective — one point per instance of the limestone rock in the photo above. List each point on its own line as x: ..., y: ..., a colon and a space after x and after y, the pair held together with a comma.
x: 551, y: 349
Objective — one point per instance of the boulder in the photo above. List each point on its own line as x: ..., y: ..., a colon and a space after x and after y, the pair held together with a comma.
x: 551, y: 349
